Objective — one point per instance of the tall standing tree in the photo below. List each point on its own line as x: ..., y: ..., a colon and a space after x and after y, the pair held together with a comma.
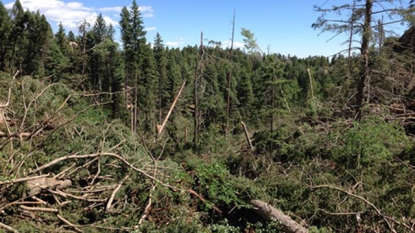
x: 16, y: 39
x: 148, y: 86
x: 161, y: 62
x: 100, y: 33
x: 39, y: 37
x: 133, y: 38
x: 62, y: 40
x: 5, y: 31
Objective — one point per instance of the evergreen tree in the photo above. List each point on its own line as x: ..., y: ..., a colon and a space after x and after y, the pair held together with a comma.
x: 5, y: 31
x: 134, y: 41
x: 148, y: 89
x: 71, y: 36
x: 100, y: 33
x: 164, y: 97
x: 61, y: 39
x: 17, y: 40
x: 39, y: 36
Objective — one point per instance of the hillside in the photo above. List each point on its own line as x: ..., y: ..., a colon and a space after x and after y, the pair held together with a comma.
x: 101, y: 137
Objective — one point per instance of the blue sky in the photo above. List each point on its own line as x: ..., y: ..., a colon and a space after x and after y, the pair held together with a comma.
x: 280, y: 26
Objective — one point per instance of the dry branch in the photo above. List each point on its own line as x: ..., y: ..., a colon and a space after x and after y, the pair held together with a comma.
x: 111, y: 199
x: 10, y: 92
x: 148, y: 206
x: 161, y: 127
x: 16, y: 135
x: 103, y: 154
x: 191, y: 191
x: 83, y: 197
x: 269, y: 212
x: 38, y: 209
x: 386, y: 218
x: 69, y: 223
x: 7, y: 227
x: 122, y: 160
x: 22, y: 179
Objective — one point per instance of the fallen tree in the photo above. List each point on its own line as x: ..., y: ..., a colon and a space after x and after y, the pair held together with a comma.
x: 269, y: 213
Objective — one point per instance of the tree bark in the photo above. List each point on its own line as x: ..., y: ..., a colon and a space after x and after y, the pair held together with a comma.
x: 364, y: 53
x: 269, y: 212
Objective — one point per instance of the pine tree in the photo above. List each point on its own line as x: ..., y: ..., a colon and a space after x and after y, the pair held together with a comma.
x: 16, y: 39
x: 163, y: 83
x: 61, y: 39
x: 39, y: 36
x: 133, y: 38
x: 100, y: 33
x: 147, y: 89
x: 5, y: 31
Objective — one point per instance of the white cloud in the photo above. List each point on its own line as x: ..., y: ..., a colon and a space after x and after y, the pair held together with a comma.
x: 146, y: 11
x: 175, y: 43
x: 70, y: 14
x: 236, y: 44
x: 111, y: 9
x: 149, y: 28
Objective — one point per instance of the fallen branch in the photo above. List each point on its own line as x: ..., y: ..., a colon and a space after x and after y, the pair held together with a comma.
x: 148, y: 206
x: 126, y: 163
x: 84, y: 197
x: 16, y: 135
x: 10, y: 91
x: 69, y: 223
x: 38, y: 209
x: 102, y: 154
x: 7, y: 227
x: 111, y: 199
x: 269, y: 212
x: 22, y: 179
x: 191, y: 191
x: 378, y: 211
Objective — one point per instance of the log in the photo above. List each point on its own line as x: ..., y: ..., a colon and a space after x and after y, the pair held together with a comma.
x: 36, y: 185
x: 269, y: 212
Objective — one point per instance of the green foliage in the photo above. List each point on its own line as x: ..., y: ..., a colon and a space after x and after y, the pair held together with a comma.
x: 310, y: 159
x: 213, y: 180
x: 371, y: 141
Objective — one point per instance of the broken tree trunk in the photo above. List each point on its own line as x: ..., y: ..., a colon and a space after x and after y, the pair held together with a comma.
x: 248, y: 139
x: 161, y: 127
x: 269, y: 212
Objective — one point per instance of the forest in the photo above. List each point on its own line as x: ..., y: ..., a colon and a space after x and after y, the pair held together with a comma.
x: 133, y: 136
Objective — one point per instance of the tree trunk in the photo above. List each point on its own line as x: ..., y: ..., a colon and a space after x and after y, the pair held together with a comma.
x: 198, y: 74
x: 228, y: 101
x: 268, y: 212
x: 364, y: 53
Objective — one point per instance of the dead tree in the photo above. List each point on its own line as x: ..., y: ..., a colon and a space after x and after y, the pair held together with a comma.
x: 228, y: 101
x: 269, y: 212
x: 364, y: 53
x: 198, y: 76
